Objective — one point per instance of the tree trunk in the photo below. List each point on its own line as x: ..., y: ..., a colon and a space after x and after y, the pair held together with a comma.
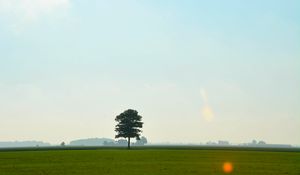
x: 128, y: 143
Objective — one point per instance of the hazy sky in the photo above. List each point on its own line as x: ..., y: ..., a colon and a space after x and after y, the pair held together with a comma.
x: 196, y: 71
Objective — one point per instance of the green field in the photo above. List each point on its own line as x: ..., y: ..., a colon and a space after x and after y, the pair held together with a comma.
x: 147, y: 161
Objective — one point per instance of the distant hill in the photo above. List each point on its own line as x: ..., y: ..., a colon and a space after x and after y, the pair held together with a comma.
x: 23, y: 144
x: 90, y: 142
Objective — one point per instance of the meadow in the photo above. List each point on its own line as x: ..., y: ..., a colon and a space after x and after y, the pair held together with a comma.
x: 144, y: 161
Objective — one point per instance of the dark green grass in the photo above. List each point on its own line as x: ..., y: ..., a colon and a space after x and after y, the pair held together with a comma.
x: 147, y: 161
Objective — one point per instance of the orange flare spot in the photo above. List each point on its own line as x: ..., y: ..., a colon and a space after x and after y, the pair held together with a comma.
x: 227, y: 167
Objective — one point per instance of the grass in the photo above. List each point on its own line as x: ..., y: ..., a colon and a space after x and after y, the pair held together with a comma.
x: 154, y: 161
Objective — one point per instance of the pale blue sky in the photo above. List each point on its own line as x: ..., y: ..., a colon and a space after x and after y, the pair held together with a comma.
x: 68, y: 67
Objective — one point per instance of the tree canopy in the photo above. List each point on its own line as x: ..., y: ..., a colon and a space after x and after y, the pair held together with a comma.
x: 129, y: 124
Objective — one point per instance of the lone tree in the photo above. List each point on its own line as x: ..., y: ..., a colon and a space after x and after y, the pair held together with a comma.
x: 128, y: 125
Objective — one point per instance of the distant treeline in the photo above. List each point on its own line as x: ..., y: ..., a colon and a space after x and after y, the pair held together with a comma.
x: 105, y: 142
x: 23, y: 144
x: 79, y: 142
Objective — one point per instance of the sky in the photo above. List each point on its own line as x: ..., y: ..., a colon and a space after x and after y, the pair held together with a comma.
x: 196, y: 71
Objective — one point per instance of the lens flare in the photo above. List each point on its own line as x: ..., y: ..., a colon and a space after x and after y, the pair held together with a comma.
x: 206, y: 111
x: 227, y: 167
